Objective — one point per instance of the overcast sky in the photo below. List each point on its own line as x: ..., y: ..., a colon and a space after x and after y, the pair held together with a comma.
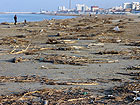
x: 52, y: 5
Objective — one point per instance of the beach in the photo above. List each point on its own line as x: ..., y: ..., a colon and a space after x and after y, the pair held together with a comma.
x: 71, y: 61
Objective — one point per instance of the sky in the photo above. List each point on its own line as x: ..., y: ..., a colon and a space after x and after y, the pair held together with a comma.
x: 52, y: 5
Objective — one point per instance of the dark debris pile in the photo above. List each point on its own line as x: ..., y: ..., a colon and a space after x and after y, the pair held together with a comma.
x: 73, y: 60
x: 50, y: 97
x: 128, y: 93
x: 125, y: 94
x: 32, y: 78
x: 136, y: 67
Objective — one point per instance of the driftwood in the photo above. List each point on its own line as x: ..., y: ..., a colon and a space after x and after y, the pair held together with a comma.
x: 55, y: 41
x: 67, y: 96
x: 110, y: 40
x: 108, y: 52
x: 137, y: 67
x: 29, y: 51
x: 19, y: 59
x: 71, y: 48
x: 73, y: 60
x: 32, y: 78
x: 132, y: 57
x: 44, y: 80
x: 95, y: 44
x: 15, y: 40
x: 20, y: 52
x: 134, y: 43
x: 78, y: 99
x: 72, y: 83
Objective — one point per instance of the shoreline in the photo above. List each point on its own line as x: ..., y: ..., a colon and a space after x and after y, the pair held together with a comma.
x: 65, y: 14
x: 53, y: 14
x: 32, y: 17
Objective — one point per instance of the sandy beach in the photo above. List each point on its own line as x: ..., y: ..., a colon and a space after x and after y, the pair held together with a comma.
x: 79, y: 61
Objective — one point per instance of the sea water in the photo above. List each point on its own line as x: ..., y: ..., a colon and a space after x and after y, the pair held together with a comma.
x: 30, y: 17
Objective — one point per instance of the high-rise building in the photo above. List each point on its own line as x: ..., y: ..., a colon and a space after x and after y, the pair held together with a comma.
x: 79, y: 7
x: 135, y: 5
x: 131, y: 6
x: 61, y: 8
x: 127, y: 6
x: 85, y: 8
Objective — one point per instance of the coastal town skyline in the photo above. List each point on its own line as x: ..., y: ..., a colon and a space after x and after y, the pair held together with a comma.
x: 36, y: 5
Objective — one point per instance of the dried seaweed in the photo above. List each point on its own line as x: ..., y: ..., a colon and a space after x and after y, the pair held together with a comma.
x: 126, y: 92
x: 137, y: 67
x: 73, y: 60
x: 50, y: 97
x: 134, y: 43
x: 32, y: 78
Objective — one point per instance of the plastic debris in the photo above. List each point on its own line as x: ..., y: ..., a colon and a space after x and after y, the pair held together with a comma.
x: 116, y: 28
x: 137, y: 98
x: 136, y: 92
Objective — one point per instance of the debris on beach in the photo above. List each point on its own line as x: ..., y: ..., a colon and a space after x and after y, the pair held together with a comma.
x: 32, y: 78
x: 42, y: 80
x: 50, y: 96
x: 116, y: 29
x: 95, y: 44
x: 5, y: 23
x: 127, y: 93
x: 55, y: 41
x: 70, y: 48
x: 131, y: 74
x: 64, y: 59
x: 73, y: 60
x: 70, y: 53
x: 110, y: 40
x: 19, y: 59
x: 134, y: 43
x: 129, y: 52
x: 14, y: 41
x: 28, y: 50
x: 137, y: 67
x: 108, y: 52
x: 132, y: 57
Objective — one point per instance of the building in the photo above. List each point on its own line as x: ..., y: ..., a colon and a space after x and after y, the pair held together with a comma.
x: 61, y: 8
x: 135, y: 6
x: 80, y: 7
x: 85, y: 8
x: 94, y: 8
x: 116, y: 9
x: 127, y: 6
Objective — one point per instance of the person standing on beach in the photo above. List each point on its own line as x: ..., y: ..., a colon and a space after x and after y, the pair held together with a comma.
x: 15, y: 18
x: 25, y: 22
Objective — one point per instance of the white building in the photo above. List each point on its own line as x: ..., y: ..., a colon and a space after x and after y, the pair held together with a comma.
x: 79, y: 7
x: 85, y: 8
x: 119, y: 8
x: 61, y: 8
x: 94, y: 8
x: 135, y: 5
x: 127, y: 5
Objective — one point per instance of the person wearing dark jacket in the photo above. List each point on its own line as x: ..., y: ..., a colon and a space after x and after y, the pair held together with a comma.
x: 15, y: 18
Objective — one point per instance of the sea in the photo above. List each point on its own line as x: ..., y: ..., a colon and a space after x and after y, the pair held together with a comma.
x: 30, y: 17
